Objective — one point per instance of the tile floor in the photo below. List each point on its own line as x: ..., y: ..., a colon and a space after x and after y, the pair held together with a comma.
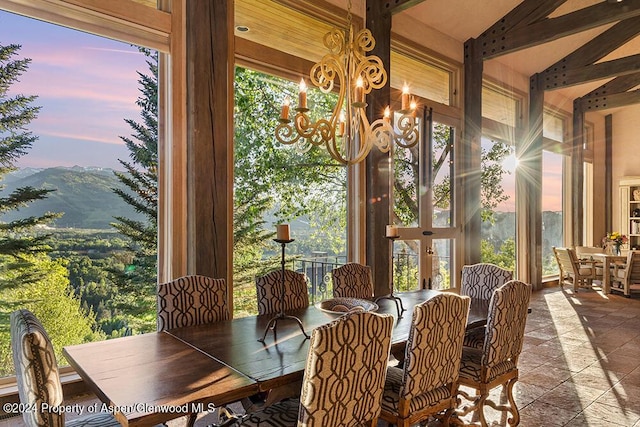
x: 580, y: 366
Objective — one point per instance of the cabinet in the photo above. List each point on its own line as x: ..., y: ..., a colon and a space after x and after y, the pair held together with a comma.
x: 630, y: 210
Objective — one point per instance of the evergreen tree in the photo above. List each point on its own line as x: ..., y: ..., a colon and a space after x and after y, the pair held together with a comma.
x: 137, y: 281
x: 18, y: 239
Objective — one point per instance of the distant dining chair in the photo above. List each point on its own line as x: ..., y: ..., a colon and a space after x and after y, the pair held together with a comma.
x: 626, y: 277
x: 428, y: 382
x: 38, y: 378
x: 343, y: 378
x: 479, y: 281
x: 496, y: 364
x: 572, y: 271
x: 352, y: 280
x: 587, y: 253
x: 269, y: 291
x: 191, y: 301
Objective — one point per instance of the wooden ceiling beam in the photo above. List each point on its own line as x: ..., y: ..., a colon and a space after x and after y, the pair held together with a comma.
x: 615, y: 100
x: 397, y: 6
x: 617, y: 85
x: 547, y: 30
x: 600, y: 46
x: 589, y: 73
x: 525, y: 13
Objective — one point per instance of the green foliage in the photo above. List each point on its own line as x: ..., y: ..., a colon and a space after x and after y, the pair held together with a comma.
x: 504, y: 257
x: 17, y: 242
x: 272, y: 177
x: 52, y: 301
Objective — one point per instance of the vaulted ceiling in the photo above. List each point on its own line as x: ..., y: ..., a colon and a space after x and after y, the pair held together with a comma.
x: 575, y: 23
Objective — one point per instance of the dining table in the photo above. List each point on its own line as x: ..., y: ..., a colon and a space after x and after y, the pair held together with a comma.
x: 209, y: 365
x: 607, y: 262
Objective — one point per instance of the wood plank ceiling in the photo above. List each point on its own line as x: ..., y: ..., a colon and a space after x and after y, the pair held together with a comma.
x: 579, y: 45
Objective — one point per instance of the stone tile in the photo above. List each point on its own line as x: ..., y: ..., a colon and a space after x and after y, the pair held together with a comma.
x: 583, y: 420
x: 613, y: 414
x: 571, y: 397
x: 543, y: 414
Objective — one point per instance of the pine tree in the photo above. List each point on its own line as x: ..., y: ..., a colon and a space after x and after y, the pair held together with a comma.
x: 18, y: 238
x: 137, y: 282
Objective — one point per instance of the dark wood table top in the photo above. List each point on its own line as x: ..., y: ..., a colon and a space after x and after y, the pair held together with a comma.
x: 281, y: 359
x: 137, y: 373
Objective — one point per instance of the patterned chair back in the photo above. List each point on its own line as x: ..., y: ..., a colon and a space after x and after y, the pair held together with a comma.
x: 352, y: 280
x: 36, y: 370
x: 434, y: 346
x: 506, y: 321
x: 480, y: 280
x: 269, y: 291
x: 191, y: 301
x: 345, y: 371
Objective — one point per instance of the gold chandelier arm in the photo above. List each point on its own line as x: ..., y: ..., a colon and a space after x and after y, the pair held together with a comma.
x: 408, y: 135
x: 382, y: 133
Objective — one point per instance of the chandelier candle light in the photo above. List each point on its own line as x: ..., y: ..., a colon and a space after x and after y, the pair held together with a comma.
x: 347, y: 134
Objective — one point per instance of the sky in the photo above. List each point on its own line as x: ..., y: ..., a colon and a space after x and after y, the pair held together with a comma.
x: 86, y: 85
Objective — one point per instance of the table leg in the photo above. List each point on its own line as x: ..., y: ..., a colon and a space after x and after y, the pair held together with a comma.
x: 606, y: 275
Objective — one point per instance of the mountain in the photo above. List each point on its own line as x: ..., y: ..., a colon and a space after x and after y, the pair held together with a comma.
x: 85, y: 196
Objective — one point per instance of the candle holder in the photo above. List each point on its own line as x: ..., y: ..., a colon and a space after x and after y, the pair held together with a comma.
x: 273, y: 323
x: 399, y: 307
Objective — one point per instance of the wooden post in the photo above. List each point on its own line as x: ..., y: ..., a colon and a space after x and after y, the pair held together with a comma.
x: 577, y: 174
x: 377, y: 164
x: 469, y: 168
x: 210, y: 62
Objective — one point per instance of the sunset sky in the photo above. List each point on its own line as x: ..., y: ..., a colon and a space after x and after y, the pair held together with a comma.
x: 86, y: 86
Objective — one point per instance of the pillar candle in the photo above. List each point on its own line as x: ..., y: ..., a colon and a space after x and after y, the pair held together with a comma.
x: 387, y: 114
x: 359, y: 91
x: 284, y: 114
x: 282, y: 232
x: 302, y: 95
x: 405, y: 97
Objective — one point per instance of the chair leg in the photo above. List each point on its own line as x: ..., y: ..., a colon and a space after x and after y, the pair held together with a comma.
x: 512, y: 403
x: 480, y: 409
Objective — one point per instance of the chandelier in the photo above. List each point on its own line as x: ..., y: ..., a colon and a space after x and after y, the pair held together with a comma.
x: 347, y: 134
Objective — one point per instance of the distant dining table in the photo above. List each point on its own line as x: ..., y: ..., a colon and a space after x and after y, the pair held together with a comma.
x: 607, y: 262
x: 144, y: 377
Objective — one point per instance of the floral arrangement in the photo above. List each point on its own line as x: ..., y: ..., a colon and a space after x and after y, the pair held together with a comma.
x: 616, y: 238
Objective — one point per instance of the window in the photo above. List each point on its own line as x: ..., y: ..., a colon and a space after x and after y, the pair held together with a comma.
x: 87, y: 87
x: 555, y: 156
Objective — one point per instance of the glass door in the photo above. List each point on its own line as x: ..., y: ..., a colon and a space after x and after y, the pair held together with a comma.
x: 423, y: 209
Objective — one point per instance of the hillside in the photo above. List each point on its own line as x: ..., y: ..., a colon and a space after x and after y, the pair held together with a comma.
x: 85, y: 196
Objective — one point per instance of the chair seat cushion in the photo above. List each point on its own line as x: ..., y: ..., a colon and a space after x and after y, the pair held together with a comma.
x: 391, y: 394
x: 585, y: 271
x: 470, y: 366
x: 281, y: 414
x: 97, y: 420
x: 474, y: 338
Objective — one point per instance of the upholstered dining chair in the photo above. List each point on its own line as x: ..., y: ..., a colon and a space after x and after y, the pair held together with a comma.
x: 190, y: 301
x: 479, y: 281
x: 269, y: 291
x: 343, y: 378
x: 428, y: 382
x: 352, y: 280
x: 496, y: 364
x: 38, y: 378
